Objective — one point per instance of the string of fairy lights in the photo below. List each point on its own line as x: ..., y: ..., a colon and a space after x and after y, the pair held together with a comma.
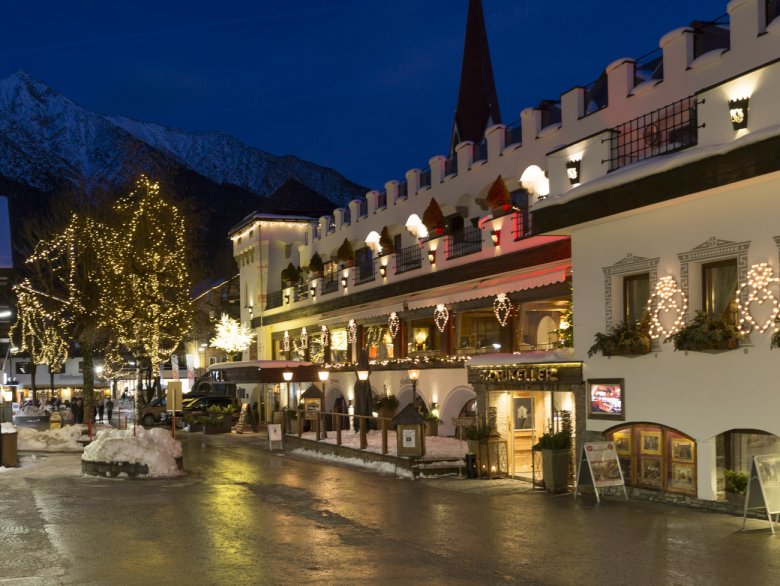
x: 128, y: 278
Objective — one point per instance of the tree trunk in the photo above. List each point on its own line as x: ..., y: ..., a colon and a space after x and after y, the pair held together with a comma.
x: 89, y: 383
x: 33, y: 369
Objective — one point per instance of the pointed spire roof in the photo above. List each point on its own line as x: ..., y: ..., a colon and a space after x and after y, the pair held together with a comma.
x: 477, y: 107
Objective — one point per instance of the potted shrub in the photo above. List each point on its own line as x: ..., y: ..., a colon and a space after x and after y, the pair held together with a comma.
x: 431, y: 424
x: 498, y: 198
x: 386, y: 241
x: 386, y: 405
x: 294, y: 423
x: 291, y: 275
x: 624, y: 339
x: 346, y: 253
x: 219, y: 419
x: 433, y: 218
x: 316, y: 266
x: 556, y: 456
x: 705, y: 333
x: 477, y: 433
x: 736, y: 485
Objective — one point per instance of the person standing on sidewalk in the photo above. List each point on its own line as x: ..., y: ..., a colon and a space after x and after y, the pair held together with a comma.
x: 101, y: 408
x: 110, y: 409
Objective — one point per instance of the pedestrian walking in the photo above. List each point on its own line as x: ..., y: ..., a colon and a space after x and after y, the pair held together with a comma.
x: 101, y: 409
x: 110, y: 409
x: 78, y: 410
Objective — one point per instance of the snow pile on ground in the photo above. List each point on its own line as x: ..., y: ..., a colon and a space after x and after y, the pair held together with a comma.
x: 31, y: 411
x: 384, y: 467
x: 6, y: 427
x: 153, y: 447
x: 65, y: 439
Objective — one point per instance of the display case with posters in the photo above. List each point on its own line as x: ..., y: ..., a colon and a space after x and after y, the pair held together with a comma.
x: 606, y: 398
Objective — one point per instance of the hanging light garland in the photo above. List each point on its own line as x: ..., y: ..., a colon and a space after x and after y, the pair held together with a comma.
x: 304, y: 338
x: 667, y: 297
x: 441, y: 316
x: 325, y: 332
x: 760, y: 278
x: 502, y: 307
x: 352, y: 331
x: 286, y: 341
x: 393, y: 324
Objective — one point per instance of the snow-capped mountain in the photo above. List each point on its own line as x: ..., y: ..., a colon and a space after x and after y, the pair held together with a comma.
x: 47, y: 141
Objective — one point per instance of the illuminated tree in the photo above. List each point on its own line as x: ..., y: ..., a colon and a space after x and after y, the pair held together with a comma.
x: 68, y: 287
x: 149, y: 278
x: 38, y: 331
x: 232, y: 336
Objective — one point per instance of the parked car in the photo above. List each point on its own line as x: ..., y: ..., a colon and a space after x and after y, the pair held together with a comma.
x: 200, y: 405
x: 152, y: 412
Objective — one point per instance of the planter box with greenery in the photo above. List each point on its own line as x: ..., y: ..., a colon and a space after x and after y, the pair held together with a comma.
x: 219, y: 419
x: 291, y: 275
x: 432, y: 425
x: 624, y: 339
x: 556, y: 456
x: 704, y: 333
x: 498, y: 199
x: 386, y: 405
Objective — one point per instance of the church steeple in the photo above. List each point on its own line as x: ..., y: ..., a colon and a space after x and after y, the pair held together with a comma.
x: 477, y: 107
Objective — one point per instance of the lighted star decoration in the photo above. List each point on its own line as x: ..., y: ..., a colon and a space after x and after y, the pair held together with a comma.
x: 441, y: 316
x: 667, y: 297
x: 232, y: 336
x: 760, y: 279
x: 393, y: 323
x: 352, y: 331
x: 502, y: 307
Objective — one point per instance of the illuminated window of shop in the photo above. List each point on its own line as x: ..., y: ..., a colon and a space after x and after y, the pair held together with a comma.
x: 636, y: 292
x: 339, y: 345
x: 536, y: 325
x: 379, y: 342
x: 422, y: 337
x: 719, y: 290
x: 656, y: 457
x: 478, y: 332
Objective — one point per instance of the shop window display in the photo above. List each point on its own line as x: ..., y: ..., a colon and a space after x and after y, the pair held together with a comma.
x: 656, y: 457
x: 422, y: 337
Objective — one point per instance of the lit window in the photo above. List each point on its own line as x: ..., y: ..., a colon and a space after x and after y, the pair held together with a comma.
x: 719, y: 290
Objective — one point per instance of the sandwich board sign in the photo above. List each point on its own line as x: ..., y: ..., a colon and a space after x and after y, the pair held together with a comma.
x: 274, y: 436
x: 600, y: 467
x: 763, y: 488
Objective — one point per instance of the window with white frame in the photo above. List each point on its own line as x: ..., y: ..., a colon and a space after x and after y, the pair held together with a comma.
x: 634, y: 276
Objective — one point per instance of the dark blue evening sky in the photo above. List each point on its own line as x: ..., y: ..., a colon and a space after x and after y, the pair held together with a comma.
x: 367, y: 87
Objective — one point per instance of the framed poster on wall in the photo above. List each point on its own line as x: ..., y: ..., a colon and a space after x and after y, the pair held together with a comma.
x: 606, y: 398
x: 523, y: 412
x: 650, y: 442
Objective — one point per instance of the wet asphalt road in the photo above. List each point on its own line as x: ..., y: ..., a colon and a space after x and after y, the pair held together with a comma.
x: 242, y: 515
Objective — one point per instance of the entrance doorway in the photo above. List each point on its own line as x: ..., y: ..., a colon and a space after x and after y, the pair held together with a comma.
x: 527, y: 416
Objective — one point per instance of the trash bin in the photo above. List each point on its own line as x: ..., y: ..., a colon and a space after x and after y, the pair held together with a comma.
x: 471, y: 465
x: 8, y: 449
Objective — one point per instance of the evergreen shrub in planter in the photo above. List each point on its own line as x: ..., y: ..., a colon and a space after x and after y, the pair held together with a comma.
x: 624, y: 339
x: 704, y: 333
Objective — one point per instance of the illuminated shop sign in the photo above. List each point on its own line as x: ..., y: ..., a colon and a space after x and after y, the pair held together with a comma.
x: 526, y: 373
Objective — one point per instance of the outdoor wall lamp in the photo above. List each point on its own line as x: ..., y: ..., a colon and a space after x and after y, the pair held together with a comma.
x: 432, y: 256
x: 738, y: 112
x: 287, y: 299
x: 383, y: 270
x: 344, y: 282
x: 287, y: 375
x: 313, y: 290
x: 495, y: 237
x: 414, y: 376
x: 573, y: 172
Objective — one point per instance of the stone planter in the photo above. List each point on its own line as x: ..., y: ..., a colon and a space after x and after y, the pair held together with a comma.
x: 220, y: 424
x: 555, y: 469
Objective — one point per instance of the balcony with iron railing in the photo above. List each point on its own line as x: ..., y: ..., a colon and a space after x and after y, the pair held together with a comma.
x: 300, y: 291
x: 329, y: 285
x: 364, y: 272
x: 274, y: 299
x: 408, y: 259
x: 464, y: 242
x: 666, y: 130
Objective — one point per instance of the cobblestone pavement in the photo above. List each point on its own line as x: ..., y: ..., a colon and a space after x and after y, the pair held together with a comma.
x: 244, y: 515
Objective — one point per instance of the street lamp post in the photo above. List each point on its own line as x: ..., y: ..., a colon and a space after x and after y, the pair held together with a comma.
x: 324, y: 375
x: 365, y: 395
x: 414, y: 375
x: 287, y: 375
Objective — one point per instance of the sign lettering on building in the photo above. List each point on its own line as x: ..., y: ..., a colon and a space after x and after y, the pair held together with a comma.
x: 526, y: 373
